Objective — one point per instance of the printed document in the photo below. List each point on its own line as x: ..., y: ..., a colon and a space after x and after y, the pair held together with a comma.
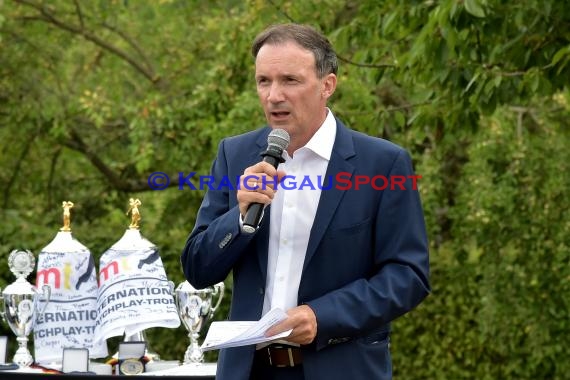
x: 224, y: 334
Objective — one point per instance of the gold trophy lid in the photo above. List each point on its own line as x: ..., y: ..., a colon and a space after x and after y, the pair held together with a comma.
x: 135, y: 213
x: 66, y: 205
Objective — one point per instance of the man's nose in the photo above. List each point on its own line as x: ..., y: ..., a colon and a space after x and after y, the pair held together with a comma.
x: 275, y: 94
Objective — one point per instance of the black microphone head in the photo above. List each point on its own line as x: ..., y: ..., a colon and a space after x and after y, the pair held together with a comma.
x: 278, y: 138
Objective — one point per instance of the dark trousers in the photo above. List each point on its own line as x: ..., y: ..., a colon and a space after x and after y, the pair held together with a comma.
x: 263, y: 371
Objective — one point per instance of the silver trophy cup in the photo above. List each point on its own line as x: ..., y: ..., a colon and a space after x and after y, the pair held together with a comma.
x: 20, y: 302
x: 195, y: 310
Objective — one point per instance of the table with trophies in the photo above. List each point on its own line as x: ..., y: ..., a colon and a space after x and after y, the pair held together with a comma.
x: 72, y: 311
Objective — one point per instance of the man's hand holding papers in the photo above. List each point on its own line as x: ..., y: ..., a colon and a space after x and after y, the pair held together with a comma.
x: 224, y: 334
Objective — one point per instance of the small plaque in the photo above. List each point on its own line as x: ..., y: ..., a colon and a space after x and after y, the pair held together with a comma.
x: 131, y: 367
x: 75, y: 360
x: 3, y: 349
x: 131, y: 358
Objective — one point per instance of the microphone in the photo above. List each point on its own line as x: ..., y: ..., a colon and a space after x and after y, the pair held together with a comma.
x: 277, y: 142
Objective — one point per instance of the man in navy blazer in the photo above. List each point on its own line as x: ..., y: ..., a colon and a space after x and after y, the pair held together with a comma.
x: 341, y: 245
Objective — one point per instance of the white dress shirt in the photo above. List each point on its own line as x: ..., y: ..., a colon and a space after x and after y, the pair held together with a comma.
x: 292, y: 215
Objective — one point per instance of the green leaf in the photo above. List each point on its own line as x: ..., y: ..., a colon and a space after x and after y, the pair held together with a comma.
x: 471, y: 82
x: 560, y: 54
x: 474, y: 7
x: 535, y: 82
x: 389, y: 22
x: 400, y: 119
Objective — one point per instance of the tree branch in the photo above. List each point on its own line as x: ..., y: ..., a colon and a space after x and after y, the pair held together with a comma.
x: 50, y: 18
x: 341, y: 58
x: 77, y: 143
x: 367, y: 65
x: 127, y: 185
x: 285, y: 14
x: 406, y: 106
x: 16, y: 171
x: 51, y: 175
x: 79, y: 14
x: 131, y: 42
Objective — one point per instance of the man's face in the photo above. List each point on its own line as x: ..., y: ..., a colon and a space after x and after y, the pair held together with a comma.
x: 292, y: 96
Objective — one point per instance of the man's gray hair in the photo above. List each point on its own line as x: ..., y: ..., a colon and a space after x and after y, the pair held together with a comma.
x: 304, y: 36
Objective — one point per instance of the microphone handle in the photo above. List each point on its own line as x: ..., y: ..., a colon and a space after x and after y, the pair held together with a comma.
x: 252, y: 217
x: 255, y: 210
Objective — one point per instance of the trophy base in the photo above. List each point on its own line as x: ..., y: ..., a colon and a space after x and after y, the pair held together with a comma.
x: 23, y: 358
x: 193, y: 354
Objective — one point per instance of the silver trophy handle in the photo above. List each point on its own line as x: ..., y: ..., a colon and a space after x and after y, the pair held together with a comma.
x: 219, y: 289
x: 46, y: 289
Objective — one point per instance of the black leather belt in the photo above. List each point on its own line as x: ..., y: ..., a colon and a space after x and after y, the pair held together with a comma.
x: 278, y: 355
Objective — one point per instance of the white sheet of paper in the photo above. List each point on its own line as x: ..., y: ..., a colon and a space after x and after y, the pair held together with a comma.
x: 3, y: 349
x: 226, y: 334
x: 75, y: 360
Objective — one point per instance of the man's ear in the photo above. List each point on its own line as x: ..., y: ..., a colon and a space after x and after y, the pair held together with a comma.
x: 329, y: 85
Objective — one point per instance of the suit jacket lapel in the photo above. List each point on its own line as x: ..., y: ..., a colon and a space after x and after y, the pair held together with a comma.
x: 343, y: 149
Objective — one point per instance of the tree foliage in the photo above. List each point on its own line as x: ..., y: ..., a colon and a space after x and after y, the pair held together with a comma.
x: 95, y: 96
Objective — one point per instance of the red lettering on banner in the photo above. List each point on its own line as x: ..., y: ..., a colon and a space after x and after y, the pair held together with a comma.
x: 104, y: 272
x: 44, y: 274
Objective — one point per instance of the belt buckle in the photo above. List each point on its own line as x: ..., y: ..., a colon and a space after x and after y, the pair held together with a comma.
x: 289, y: 355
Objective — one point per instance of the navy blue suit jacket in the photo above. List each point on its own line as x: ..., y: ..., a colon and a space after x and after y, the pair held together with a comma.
x: 366, y: 263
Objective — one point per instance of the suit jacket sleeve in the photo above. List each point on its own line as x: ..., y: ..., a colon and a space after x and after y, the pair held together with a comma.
x: 399, y: 280
x: 216, y: 242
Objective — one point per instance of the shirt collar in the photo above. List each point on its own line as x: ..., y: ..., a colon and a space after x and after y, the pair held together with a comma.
x: 323, y: 140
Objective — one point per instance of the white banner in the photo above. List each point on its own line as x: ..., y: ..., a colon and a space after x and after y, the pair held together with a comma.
x: 70, y: 316
x: 134, y: 292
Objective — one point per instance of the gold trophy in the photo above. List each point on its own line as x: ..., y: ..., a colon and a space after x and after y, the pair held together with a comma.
x: 66, y: 205
x: 135, y: 213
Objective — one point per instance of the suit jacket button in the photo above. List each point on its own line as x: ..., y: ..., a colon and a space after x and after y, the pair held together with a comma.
x: 225, y: 240
x: 338, y: 340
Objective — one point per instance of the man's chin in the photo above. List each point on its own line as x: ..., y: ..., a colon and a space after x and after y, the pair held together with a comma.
x: 286, y: 126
